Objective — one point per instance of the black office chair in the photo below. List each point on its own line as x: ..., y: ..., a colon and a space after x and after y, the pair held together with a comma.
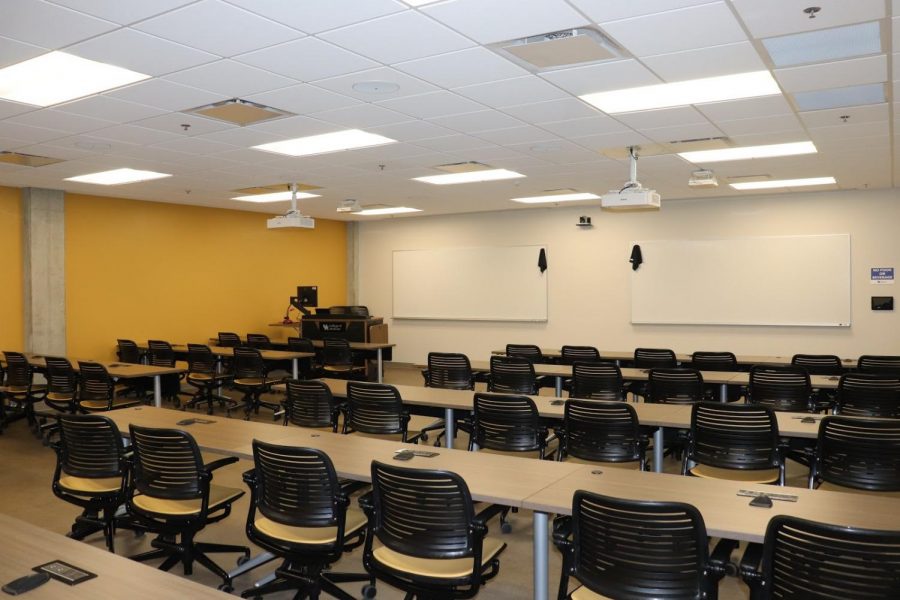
x: 649, y: 358
x: 449, y: 371
x: 820, y: 364
x: 203, y: 374
x: 61, y: 396
x: 508, y: 423
x: 805, y: 559
x: 97, y: 390
x: 618, y: 548
x: 337, y: 361
x: 161, y: 355
x: 91, y: 473
x: 856, y: 454
x: 20, y: 393
x: 717, y: 361
x: 529, y: 351
x: 376, y: 409
x: 879, y: 364
x: 572, y: 354
x: 310, y: 403
x: 868, y: 395
x: 512, y: 375
x: 260, y: 341
x: 251, y: 376
x: 601, y: 380
x: 228, y: 339
x: 127, y: 351
x: 434, y: 547
x: 300, y: 513
x: 781, y: 388
x: 309, y: 367
x: 171, y: 494
x: 675, y: 386
x: 602, y: 432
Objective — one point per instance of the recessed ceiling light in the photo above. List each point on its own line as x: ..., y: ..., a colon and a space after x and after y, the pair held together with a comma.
x: 274, y: 197
x: 825, y: 45
x: 556, y: 198
x: 239, y: 112
x: 336, y: 141
x: 376, y: 87
x: 748, y: 152
x: 57, y: 77
x: 783, y: 183
x: 390, y: 210
x: 469, y: 177
x: 118, y: 177
x: 682, y: 93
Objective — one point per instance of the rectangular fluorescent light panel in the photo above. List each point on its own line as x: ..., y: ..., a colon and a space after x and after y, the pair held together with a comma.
x: 336, y: 141
x: 556, y: 198
x: 390, y: 210
x: 857, y: 95
x: 118, y: 177
x: 748, y: 152
x: 825, y: 45
x: 57, y: 77
x: 274, y: 197
x: 783, y: 183
x: 469, y: 177
x: 682, y: 93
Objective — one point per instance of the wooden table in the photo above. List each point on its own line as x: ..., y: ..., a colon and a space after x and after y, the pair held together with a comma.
x: 26, y: 546
x: 269, y: 355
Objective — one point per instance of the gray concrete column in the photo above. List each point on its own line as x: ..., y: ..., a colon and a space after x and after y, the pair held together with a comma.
x: 352, y: 263
x: 44, y: 267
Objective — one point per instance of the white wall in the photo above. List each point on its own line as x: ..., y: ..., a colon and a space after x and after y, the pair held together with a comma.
x: 589, y: 273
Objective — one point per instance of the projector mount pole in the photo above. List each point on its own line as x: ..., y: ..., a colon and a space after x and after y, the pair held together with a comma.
x: 293, y: 210
x: 632, y: 179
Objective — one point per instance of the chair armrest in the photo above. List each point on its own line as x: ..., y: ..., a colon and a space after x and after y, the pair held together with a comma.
x: 562, y: 532
x: 480, y: 521
x: 218, y: 464
x: 367, y: 504
x: 750, y: 565
x: 720, y: 559
x: 425, y: 376
x: 249, y: 477
x: 348, y: 486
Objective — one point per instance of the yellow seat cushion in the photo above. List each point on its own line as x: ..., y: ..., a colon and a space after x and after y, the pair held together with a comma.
x: 583, y: 593
x: 103, y: 404
x: 343, y: 368
x: 356, y: 520
x: 633, y: 465
x: 438, y: 568
x: 57, y: 397
x: 743, y: 475
x: 90, y: 485
x: 201, y: 376
x: 833, y: 487
x: 218, y: 497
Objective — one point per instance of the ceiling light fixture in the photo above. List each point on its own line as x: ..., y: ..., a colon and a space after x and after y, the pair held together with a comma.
x: 748, y: 152
x: 823, y: 45
x: 336, y: 141
x: 783, y: 183
x: 118, y: 177
x: 469, y: 177
x: 557, y: 198
x: 390, y: 210
x: 682, y: 93
x: 274, y: 197
x: 58, y: 77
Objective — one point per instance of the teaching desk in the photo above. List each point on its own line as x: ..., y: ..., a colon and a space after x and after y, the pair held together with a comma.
x: 26, y: 546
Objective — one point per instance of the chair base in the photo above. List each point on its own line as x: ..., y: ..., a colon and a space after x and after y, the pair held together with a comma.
x: 205, y: 394
x: 309, y: 582
x: 187, y: 552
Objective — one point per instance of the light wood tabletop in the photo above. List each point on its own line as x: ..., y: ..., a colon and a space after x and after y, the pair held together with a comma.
x: 119, y: 370
x: 26, y: 546
x: 227, y: 351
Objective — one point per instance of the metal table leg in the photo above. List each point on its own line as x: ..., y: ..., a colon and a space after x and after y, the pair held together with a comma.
x: 541, y: 556
x: 296, y: 371
x: 658, y: 450
x: 723, y: 392
x: 559, y: 382
x: 157, y: 391
x: 449, y: 427
x: 380, y: 366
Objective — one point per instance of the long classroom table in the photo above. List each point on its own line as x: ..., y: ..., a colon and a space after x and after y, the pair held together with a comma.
x: 269, y: 355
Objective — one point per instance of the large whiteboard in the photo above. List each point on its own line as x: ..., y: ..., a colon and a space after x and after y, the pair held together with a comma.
x: 489, y: 283
x: 790, y: 280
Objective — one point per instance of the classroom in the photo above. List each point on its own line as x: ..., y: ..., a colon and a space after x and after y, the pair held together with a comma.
x: 457, y: 167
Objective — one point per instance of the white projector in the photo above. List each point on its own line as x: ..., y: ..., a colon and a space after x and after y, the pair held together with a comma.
x: 289, y: 220
x: 630, y: 199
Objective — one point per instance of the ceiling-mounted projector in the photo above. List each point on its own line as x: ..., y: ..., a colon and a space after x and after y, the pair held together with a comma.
x: 632, y: 196
x: 292, y: 218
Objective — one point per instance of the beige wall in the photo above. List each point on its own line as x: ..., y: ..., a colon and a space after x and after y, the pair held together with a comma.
x: 589, y: 295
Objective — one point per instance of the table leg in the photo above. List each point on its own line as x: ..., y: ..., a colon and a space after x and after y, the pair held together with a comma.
x: 541, y: 556
x: 723, y: 392
x: 296, y: 363
x: 380, y: 366
x: 449, y: 427
x: 157, y: 391
x: 559, y: 382
x: 658, y: 450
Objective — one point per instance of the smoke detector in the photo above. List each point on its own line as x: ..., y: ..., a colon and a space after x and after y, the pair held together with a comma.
x: 703, y: 179
x: 349, y: 206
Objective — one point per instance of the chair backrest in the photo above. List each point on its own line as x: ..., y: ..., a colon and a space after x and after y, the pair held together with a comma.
x: 638, y: 549
x: 201, y: 360
x: 90, y: 446
x: 654, y: 358
x: 248, y: 363
x: 818, y: 364
x: 336, y: 352
x: 871, y: 363
x: 529, y: 351
x: 167, y: 464
x: 512, y: 375
x: 734, y: 436
x: 600, y: 380
x: 297, y: 486
x: 62, y: 381
x: 714, y: 361
x: 572, y: 354
x: 375, y: 408
x: 259, y: 340
x: 508, y: 423
x: 19, y: 372
x: 868, y: 395
x: 96, y: 384
x: 805, y: 559
x: 228, y: 339
x: 297, y: 344
x: 859, y: 453
x: 436, y: 525
x: 127, y: 351
x: 449, y: 371
x: 675, y: 386
x: 309, y: 403
x: 601, y: 431
x: 780, y: 388
x: 161, y: 353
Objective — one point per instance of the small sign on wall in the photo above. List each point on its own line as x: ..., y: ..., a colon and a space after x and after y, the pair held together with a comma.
x: 882, y: 275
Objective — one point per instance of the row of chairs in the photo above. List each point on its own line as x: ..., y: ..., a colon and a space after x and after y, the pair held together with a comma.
x: 335, y: 358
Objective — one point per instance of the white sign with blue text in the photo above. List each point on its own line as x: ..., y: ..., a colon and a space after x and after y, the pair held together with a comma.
x: 882, y: 275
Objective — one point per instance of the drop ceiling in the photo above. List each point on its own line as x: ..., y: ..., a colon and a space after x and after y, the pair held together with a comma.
x: 442, y: 92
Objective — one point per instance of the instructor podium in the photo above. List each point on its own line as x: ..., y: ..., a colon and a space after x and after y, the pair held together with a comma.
x: 351, y: 323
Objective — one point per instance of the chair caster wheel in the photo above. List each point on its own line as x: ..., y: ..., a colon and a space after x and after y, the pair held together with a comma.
x: 226, y: 587
x: 506, y: 527
x: 368, y: 591
x: 423, y: 437
x: 242, y: 560
x: 731, y: 569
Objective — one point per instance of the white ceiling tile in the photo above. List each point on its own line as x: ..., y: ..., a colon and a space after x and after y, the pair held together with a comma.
x: 745, y: 109
x: 432, y: 104
x: 231, y: 79
x: 302, y: 99
x: 307, y: 59
x: 779, y: 137
x: 621, y: 139
x: 403, y: 36
x: 131, y: 134
x: 694, y: 131
x: 229, y: 30
x: 55, y: 150
x: 453, y: 143
x: 241, y: 136
x: 664, y: 117
x: 165, y: 94
x: 845, y: 73
x: 517, y: 135
x: 407, y: 85
x: 174, y: 123
x: 598, y: 125
x: 194, y: 145
x: 12, y: 51
x: 509, y: 92
x: 761, y: 125
x: 620, y: 74
x: 477, y: 121
x: 292, y: 127
x: 676, y: 30
x: 107, y: 107
x: 361, y: 116
x: 706, y: 62
x: 53, y: 119
x: 27, y: 133
x: 465, y: 67
x: 411, y: 131
x: 895, y: 32
x: 140, y: 52
x: 8, y: 109
x: 767, y: 18
x: 856, y: 114
x: 48, y: 25
x: 554, y: 110
x: 895, y: 64
x: 847, y: 131
x: 601, y: 11
x: 122, y: 12
x: 314, y: 16
x: 556, y: 151
x: 500, y: 20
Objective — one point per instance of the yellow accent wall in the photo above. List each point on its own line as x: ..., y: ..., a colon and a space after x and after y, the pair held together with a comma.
x: 143, y: 270
x: 12, y: 328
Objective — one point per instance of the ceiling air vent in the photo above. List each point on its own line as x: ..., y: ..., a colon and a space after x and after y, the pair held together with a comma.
x: 27, y: 160
x: 239, y: 112
x: 560, y: 49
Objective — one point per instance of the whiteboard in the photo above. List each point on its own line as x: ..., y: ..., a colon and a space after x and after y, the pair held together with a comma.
x: 790, y: 280
x: 489, y: 283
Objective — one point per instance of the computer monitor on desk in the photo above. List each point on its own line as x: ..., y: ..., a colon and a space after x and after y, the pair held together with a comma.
x: 307, y: 295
